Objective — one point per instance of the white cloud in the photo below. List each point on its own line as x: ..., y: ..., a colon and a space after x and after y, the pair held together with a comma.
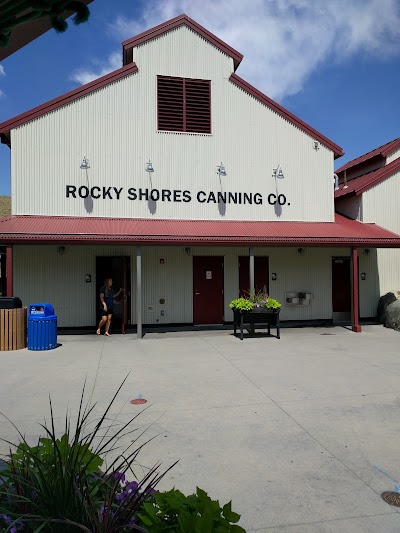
x: 2, y: 93
x: 2, y: 71
x: 284, y: 41
x: 97, y: 69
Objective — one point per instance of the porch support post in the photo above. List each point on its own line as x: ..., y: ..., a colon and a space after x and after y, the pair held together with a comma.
x: 9, y: 269
x: 355, y: 325
x: 251, y: 270
x: 139, y: 292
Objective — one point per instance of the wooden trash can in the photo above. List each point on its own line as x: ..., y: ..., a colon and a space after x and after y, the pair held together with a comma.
x: 13, y: 326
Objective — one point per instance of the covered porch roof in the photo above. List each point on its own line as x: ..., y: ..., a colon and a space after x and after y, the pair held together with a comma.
x: 91, y: 230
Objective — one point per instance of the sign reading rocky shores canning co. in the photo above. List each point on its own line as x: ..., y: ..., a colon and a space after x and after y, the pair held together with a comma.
x: 167, y: 195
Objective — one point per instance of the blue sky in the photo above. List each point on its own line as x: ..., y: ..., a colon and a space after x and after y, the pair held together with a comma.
x: 336, y: 65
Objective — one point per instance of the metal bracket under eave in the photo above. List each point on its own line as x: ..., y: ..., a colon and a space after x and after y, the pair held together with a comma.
x: 5, y: 140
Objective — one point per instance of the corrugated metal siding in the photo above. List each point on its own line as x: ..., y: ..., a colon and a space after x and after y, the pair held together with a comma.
x: 381, y: 205
x: 350, y: 207
x: 115, y: 128
x: 369, y: 288
x: 39, y: 269
x: 42, y: 275
x: 394, y: 155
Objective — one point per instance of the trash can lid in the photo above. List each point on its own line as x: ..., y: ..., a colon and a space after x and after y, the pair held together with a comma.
x: 40, y: 310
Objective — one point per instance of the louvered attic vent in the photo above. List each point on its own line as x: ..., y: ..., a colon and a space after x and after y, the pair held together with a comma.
x: 184, y: 105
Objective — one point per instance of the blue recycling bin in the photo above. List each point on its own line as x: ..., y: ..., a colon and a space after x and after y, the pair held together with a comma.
x: 42, y: 327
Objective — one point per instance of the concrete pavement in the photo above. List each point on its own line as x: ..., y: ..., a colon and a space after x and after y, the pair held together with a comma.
x: 301, y: 433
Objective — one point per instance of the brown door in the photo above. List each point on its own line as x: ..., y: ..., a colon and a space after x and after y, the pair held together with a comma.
x: 208, y: 290
x: 261, y: 275
x: 341, y: 284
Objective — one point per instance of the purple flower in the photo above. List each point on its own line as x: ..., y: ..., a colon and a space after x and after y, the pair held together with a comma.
x: 118, y: 476
x: 150, y: 490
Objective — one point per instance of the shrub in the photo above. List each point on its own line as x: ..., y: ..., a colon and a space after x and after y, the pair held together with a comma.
x: 174, y: 512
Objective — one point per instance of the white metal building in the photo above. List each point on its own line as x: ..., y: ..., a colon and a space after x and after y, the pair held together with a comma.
x: 369, y: 191
x: 185, y: 184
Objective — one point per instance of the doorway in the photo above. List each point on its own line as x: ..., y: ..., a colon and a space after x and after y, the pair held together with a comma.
x: 208, y: 290
x: 341, y: 289
x: 117, y: 268
x: 261, y: 275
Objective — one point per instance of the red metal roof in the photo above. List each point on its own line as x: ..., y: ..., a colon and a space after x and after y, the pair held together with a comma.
x: 240, y: 82
x: 342, y: 232
x: 66, y: 98
x: 193, y: 25
x: 384, y: 151
x: 357, y: 186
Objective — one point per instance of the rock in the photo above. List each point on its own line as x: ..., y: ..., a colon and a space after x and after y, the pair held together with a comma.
x: 384, y: 301
x: 392, y: 319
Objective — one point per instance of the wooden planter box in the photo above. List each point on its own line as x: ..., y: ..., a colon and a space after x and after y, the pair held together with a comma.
x: 13, y: 324
x: 258, y: 315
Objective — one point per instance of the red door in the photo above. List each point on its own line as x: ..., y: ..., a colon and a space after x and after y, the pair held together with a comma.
x: 208, y: 290
x: 341, y: 284
x: 261, y: 275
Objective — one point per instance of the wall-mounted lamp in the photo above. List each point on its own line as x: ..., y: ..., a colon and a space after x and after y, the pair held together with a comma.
x: 149, y: 166
x: 273, y: 276
x: 85, y: 163
x: 300, y: 251
x: 61, y: 250
x: 316, y: 145
x: 367, y: 251
x: 221, y: 170
x: 277, y: 172
x: 363, y: 276
x: 187, y: 251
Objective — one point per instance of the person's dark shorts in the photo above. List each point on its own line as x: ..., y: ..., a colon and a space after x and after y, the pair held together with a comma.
x: 106, y: 313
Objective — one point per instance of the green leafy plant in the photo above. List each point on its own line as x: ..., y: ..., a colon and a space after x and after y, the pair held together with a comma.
x: 174, y: 512
x: 241, y: 304
x: 254, y: 300
x: 57, y: 485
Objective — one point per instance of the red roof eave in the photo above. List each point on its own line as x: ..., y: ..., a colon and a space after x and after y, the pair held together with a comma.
x: 240, y: 82
x: 193, y: 25
x: 357, y: 186
x: 64, y: 99
x: 383, y: 151
x: 80, y: 230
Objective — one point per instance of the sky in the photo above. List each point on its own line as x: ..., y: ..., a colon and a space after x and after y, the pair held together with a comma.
x: 335, y: 64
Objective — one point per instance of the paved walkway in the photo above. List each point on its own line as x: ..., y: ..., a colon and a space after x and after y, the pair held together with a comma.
x: 302, y: 433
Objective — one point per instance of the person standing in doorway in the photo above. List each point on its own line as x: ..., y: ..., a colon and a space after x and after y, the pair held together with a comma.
x: 107, y: 296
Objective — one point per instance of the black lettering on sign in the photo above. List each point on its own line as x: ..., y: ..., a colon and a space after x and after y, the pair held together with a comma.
x: 155, y: 195
x: 186, y: 196
x: 258, y: 198
x: 71, y: 190
x: 144, y: 193
x: 211, y: 198
x: 281, y: 199
x: 83, y: 191
x: 132, y: 194
x: 272, y: 199
x: 92, y: 190
x: 166, y: 195
x: 117, y: 192
x: 107, y: 193
x: 222, y: 197
x: 200, y: 198
x: 232, y: 197
x: 177, y: 196
x: 247, y: 198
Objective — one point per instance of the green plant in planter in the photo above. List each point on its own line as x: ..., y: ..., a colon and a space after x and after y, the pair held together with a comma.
x: 273, y: 304
x: 241, y: 304
x: 174, y: 512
